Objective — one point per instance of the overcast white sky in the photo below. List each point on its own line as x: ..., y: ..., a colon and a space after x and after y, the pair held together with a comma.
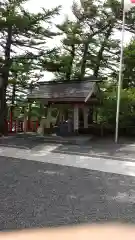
x: 35, y: 5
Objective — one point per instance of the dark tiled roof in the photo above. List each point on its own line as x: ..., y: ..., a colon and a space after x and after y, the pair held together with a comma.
x: 79, y: 89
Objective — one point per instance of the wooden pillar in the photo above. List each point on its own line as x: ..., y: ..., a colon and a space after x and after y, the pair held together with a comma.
x: 61, y: 116
x: 49, y: 115
x: 11, y: 118
x: 29, y: 116
x: 25, y: 120
x: 85, y: 116
x: 76, y: 118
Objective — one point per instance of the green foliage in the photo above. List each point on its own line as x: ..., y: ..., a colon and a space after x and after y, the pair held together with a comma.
x: 129, y: 65
x: 107, y: 113
x: 23, y: 37
x: 87, y: 48
x: 87, y: 45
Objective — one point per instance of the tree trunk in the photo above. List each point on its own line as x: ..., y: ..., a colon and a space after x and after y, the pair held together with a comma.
x: 69, y: 71
x: 4, y: 83
x: 13, y: 100
x: 101, y: 51
x: 30, y: 107
x: 84, y: 59
x: 3, y: 111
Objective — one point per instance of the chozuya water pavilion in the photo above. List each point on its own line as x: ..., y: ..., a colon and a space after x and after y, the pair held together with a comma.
x: 70, y: 98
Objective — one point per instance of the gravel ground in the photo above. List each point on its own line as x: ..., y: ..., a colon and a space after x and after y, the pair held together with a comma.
x: 35, y: 194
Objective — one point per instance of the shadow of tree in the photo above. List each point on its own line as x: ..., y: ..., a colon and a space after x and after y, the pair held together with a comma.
x: 21, y: 141
x: 102, y: 148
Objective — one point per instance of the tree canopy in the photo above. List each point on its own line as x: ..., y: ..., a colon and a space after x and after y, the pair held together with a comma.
x: 88, y: 47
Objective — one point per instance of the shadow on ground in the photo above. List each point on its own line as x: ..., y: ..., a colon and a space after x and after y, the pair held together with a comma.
x: 34, y: 194
x: 21, y: 141
x: 104, y: 147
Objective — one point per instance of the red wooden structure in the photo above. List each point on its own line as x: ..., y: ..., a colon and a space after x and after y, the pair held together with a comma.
x: 17, y: 126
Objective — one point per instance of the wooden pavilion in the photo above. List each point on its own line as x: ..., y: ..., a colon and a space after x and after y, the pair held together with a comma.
x: 75, y: 95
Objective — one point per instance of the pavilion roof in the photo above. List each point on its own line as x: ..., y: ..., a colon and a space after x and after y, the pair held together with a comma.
x: 65, y: 91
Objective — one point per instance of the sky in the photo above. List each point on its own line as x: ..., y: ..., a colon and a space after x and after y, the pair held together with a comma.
x: 35, y: 5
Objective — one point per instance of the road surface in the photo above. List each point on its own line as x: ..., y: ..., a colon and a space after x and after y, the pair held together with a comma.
x: 43, y: 186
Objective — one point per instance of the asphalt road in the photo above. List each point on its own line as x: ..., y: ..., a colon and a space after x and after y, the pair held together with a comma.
x: 35, y: 194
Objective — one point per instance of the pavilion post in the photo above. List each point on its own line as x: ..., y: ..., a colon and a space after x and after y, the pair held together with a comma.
x: 61, y: 116
x: 25, y: 120
x: 49, y: 116
x: 76, y: 118
x: 85, y: 116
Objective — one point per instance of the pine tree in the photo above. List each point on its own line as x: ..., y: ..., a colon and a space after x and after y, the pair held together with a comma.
x: 128, y: 76
x: 22, y: 77
x: 20, y: 31
x: 88, y: 46
x: 99, y: 49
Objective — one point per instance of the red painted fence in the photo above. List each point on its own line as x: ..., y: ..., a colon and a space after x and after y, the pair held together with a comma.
x: 18, y: 126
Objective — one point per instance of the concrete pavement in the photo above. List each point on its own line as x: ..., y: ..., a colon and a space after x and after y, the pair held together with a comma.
x: 75, y: 156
